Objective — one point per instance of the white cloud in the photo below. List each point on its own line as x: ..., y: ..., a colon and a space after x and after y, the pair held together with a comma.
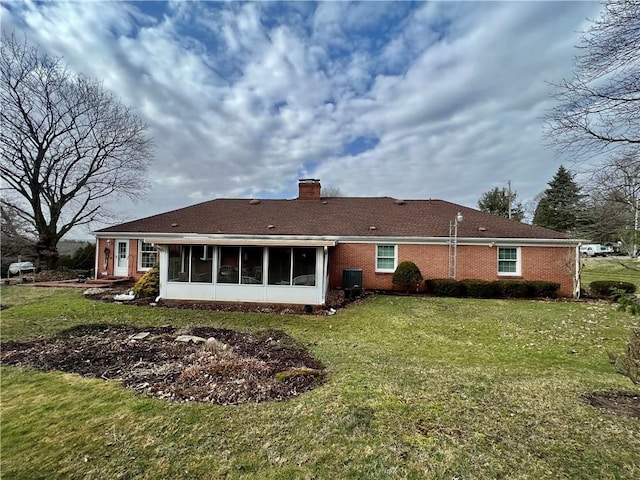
x: 241, y: 99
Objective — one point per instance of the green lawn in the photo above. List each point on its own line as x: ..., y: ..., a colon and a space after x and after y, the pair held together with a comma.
x: 610, y: 268
x: 418, y: 388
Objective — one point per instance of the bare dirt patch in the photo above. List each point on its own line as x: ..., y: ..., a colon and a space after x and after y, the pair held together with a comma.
x: 619, y: 403
x: 200, y: 364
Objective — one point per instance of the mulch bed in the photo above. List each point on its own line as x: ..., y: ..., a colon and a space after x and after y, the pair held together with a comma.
x: 215, y: 366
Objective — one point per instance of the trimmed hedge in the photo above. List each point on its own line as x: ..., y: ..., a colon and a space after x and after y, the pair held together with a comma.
x: 608, y: 288
x: 445, y: 287
x: 448, y: 287
x: 479, y: 288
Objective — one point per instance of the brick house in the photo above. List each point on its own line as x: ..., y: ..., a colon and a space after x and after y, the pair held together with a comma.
x: 293, y: 251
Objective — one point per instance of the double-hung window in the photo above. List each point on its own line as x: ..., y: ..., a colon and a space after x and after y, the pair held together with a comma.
x: 386, y: 258
x: 509, y: 261
x: 147, y: 256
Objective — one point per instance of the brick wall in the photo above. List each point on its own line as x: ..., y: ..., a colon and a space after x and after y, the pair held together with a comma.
x: 556, y: 264
x: 132, y: 259
x: 105, y: 270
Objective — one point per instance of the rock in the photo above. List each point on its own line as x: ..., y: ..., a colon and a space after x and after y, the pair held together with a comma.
x: 190, y: 338
x: 214, y: 344
x: 124, y: 297
x: 94, y: 291
x: 140, y: 336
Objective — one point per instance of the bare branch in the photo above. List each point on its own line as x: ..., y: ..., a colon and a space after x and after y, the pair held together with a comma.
x: 66, y: 142
x: 598, y: 110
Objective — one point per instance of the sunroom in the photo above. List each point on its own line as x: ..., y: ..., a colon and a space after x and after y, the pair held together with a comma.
x: 294, y: 272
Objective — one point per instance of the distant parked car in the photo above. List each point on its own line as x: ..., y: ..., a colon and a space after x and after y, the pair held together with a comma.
x: 594, y: 250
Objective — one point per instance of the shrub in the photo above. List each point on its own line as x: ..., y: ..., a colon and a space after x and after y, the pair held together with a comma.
x: 514, y: 289
x: 480, y: 288
x: 445, y: 287
x: 149, y: 284
x: 448, y: 287
x: 407, y: 275
x: 543, y: 288
x: 628, y: 302
x: 608, y: 288
x: 628, y: 363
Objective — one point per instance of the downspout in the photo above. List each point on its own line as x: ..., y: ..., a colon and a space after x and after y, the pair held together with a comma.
x: 578, y: 285
x: 326, y: 275
x: 95, y: 267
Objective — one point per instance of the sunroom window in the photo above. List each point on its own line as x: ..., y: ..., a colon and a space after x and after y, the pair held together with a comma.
x: 178, y: 263
x: 292, y: 266
x: 279, y: 266
x: 240, y: 265
x: 229, y: 265
x: 201, y: 264
x: 190, y: 263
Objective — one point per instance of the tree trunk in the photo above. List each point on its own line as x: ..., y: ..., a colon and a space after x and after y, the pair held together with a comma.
x: 47, y: 251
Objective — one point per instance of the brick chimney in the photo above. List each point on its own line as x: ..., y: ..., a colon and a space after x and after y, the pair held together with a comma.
x: 308, y: 188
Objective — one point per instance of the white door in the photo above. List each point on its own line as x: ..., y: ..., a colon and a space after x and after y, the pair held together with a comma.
x: 121, y: 259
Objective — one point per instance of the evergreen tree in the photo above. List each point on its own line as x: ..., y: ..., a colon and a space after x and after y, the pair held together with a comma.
x: 560, y: 207
x: 496, y: 202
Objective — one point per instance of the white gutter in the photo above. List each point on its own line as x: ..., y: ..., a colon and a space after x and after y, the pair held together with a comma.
x: 327, y: 240
x: 236, y: 241
x: 542, y: 242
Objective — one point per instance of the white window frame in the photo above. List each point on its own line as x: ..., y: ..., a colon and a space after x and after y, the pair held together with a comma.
x: 395, y: 257
x: 518, y: 261
x: 140, y: 267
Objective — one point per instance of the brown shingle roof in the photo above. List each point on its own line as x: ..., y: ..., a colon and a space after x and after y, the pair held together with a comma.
x: 336, y: 216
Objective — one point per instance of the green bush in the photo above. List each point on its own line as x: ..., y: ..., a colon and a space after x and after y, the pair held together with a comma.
x: 628, y: 302
x: 479, y: 288
x: 445, y: 287
x: 608, y: 288
x: 544, y: 288
x: 448, y: 287
x: 149, y: 284
x: 514, y: 289
x: 407, y: 275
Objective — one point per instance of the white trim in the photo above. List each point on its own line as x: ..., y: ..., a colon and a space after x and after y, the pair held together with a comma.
x: 518, y: 261
x: 246, y: 242
x: 243, y: 292
x: 330, y: 240
x: 395, y: 258
x: 117, y: 270
x: 489, y: 242
x: 95, y: 267
x: 139, y: 266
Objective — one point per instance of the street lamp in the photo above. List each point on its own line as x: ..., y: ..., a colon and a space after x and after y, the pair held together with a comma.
x: 453, y: 245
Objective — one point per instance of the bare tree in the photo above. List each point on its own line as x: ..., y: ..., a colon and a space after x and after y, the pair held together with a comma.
x: 599, y: 108
x: 617, y: 184
x: 331, y: 192
x: 66, y: 145
x: 17, y: 239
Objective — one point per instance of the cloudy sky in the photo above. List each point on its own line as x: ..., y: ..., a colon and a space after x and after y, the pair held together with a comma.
x: 410, y: 100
